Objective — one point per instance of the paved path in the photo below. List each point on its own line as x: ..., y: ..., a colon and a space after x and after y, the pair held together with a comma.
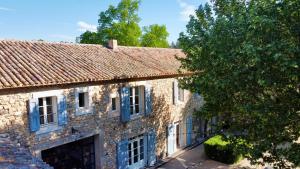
x: 196, y: 159
x: 192, y: 159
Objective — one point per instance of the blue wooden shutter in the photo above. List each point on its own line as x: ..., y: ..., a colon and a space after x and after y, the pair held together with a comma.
x: 175, y: 92
x: 76, y: 100
x: 148, y: 100
x: 189, y: 132
x: 34, y: 117
x: 125, y: 104
x: 122, y: 154
x: 151, y: 148
x: 62, y: 110
x: 170, y: 138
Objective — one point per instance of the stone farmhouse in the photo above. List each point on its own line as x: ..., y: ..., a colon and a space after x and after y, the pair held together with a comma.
x: 92, y: 106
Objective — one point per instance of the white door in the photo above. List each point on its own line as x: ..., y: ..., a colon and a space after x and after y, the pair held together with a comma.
x: 171, y: 139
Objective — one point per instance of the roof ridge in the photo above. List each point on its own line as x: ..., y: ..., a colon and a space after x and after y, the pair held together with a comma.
x: 49, y: 42
x: 82, y: 44
x: 139, y: 47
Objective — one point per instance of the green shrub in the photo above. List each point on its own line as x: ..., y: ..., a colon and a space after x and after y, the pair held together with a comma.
x: 216, y: 148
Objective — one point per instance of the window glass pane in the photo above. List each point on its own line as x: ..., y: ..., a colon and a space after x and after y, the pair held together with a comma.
x: 130, y: 91
x: 42, y: 120
x: 129, y: 154
x: 41, y: 111
x: 141, y: 155
x: 131, y: 100
x: 48, y: 101
x: 136, y: 100
x: 137, y: 109
x: 135, y: 160
x: 40, y: 101
x: 141, y: 149
x: 136, y: 91
x: 49, y: 114
x: 81, y: 99
x: 113, y: 103
x: 49, y: 110
x: 50, y: 118
x: 135, y: 144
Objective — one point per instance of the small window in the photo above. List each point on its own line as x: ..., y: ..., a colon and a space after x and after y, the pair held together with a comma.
x: 113, y: 104
x: 82, y: 99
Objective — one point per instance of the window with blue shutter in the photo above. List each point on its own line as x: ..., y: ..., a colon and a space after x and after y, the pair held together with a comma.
x: 189, y: 132
x: 151, y: 148
x: 34, y: 117
x: 62, y: 110
x: 122, y: 154
x: 148, y: 99
x: 125, y: 104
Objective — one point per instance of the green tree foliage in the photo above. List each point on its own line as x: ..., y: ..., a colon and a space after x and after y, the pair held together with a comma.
x: 122, y: 23
x: 246, y: 56
x: 89, y: 38
x: 155, y: 36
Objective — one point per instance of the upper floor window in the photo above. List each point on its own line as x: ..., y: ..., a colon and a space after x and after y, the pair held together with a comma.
x: 135, y: 94
x: 83, y: 99
x: 180, y: 94
x: 47, y: 110
x: 113, y: 104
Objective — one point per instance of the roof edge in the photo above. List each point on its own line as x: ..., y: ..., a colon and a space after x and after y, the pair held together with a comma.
x: 28, y: 89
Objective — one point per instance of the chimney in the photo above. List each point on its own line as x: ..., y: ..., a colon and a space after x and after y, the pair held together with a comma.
x: 113, y: 44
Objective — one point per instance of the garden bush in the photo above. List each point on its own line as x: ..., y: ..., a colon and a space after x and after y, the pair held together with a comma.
x: 216, y: 148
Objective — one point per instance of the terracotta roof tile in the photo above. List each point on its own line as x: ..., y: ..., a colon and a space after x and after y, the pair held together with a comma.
x: 26, y: 64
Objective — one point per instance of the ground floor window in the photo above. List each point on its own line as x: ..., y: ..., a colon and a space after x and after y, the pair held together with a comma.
x: 136, y: 149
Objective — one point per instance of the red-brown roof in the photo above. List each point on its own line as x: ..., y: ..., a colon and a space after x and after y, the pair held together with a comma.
x: 27, y: 64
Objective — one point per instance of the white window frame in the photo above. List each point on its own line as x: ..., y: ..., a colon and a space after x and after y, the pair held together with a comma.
x: 87, y: 109
x: 141, y: 100
x: 54, y: 110
x: 140, y: 162
x: 51, y: 93
x: 114, y: 113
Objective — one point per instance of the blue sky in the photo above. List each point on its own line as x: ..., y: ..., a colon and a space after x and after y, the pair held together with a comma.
x: 64, y: 20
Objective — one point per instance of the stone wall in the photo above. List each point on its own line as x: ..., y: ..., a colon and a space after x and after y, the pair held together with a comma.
x: 14, y: 119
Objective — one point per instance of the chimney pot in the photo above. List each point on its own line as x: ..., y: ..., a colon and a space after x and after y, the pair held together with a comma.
x: 113, y: 44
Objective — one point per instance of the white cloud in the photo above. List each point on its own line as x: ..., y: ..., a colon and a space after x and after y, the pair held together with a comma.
x: 5, y: 9
x: 186, y: 10
x: 83, y: 26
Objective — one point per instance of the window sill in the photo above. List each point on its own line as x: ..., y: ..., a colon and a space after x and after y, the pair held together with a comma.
x: 136, y: 116
x: 83, y: 111
x: 48, y: 128
x: 113, y: 113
